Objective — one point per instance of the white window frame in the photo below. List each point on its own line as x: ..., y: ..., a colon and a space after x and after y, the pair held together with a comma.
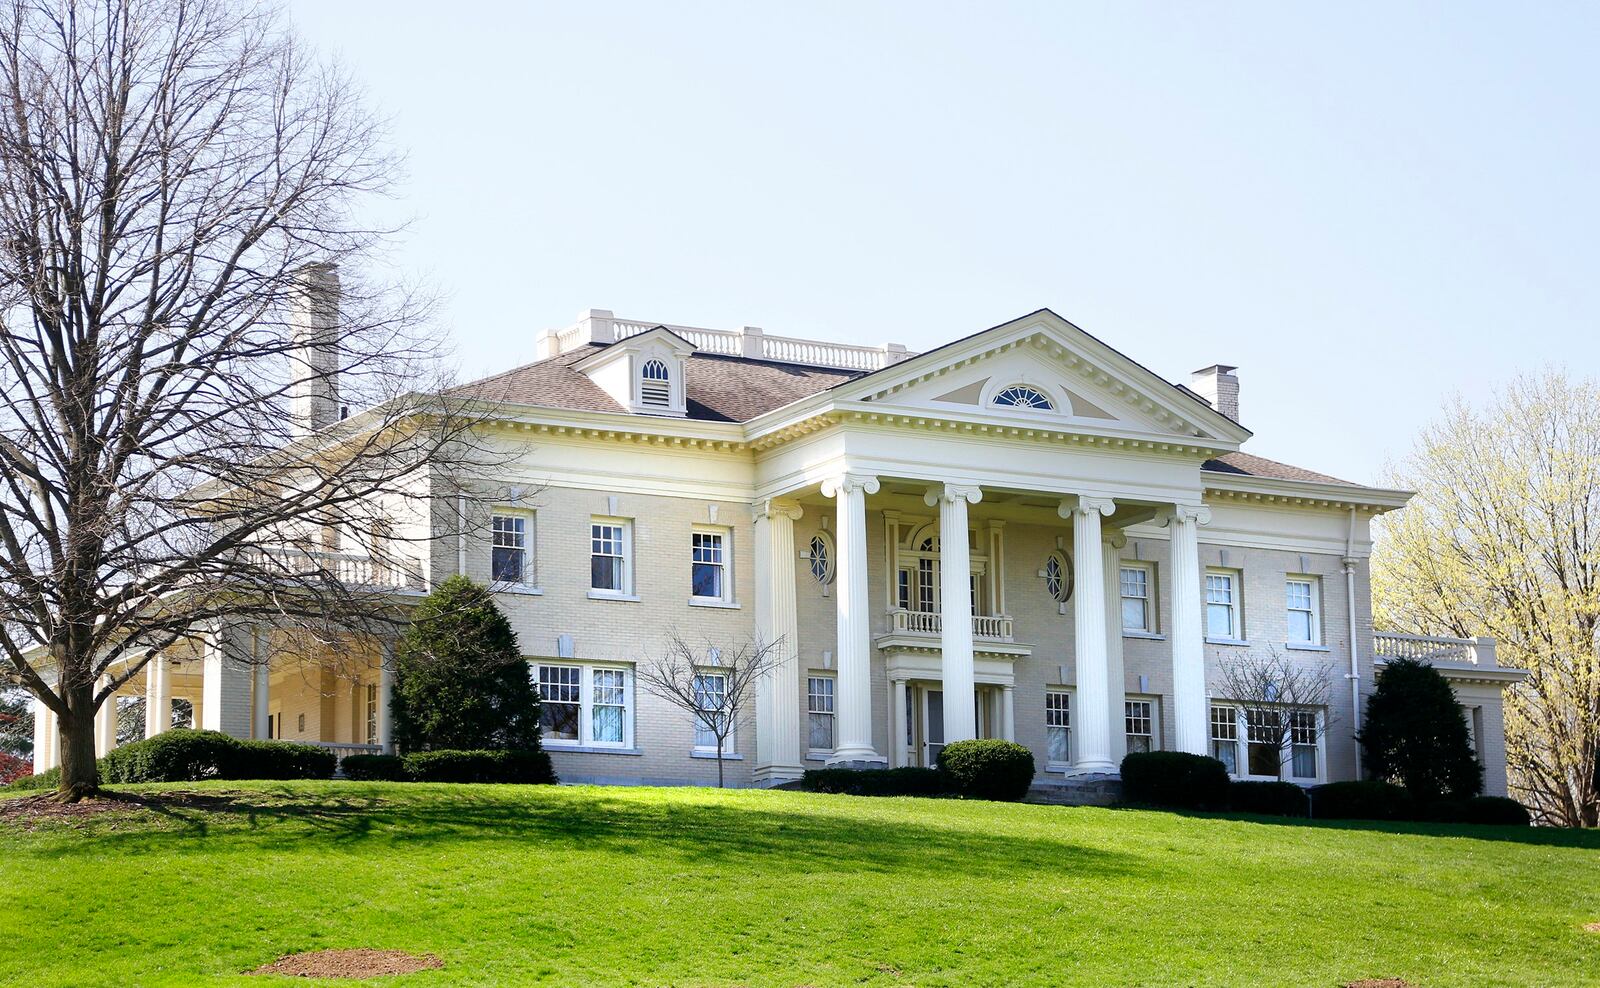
x: 625, y: 592
x: 730, y: 746
x: 1213, y: 721
x: 530, y: 578
x: 655, y: 392
x: 1149, y: 598
x: 1063, y: 696
x: 1242, y: 743
x: 587, y: 672
x: 370, y: 703
x: 724, y: 537
x: 814, y: 708
x: 1313, y: 609
x: 1235, y: 605
x: 1153, y: 717
x: 821, y: 567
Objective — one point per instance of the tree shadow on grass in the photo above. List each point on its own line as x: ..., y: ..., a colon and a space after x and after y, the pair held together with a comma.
x: 814, y: 838
x: 1538, y: 836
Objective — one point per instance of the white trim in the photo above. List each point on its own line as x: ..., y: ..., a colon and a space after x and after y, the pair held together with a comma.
x: 1314, y: 610
x: 1152, y: 607
x: 625, y: 554
x: 1235, y: 605
x: 724, y: 548
x: 586, y: 687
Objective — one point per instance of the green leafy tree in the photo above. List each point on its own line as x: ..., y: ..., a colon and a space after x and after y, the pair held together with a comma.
x: 460, y: 679
x: 1416, y: 736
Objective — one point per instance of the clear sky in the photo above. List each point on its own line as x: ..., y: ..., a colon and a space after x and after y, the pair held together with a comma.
x: 1366, y: 207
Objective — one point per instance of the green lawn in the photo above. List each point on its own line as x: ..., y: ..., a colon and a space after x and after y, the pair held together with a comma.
x: 587, y: 886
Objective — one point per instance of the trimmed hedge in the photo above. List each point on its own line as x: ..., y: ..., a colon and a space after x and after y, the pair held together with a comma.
x: 1268, y: 798
x: 987, y: 768
x: 374, y: 768
x: 532, y: 767
x: 281, y: 760
x: 1364, y: 800
x: 191, y: 756
x: 874, y: 782
x: 48, y: 779
x: 1493, y: 810
x: 1175, y: 780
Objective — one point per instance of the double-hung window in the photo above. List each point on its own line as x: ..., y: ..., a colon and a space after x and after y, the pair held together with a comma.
x: 1303, y: 743
x: 709, y: 575
x: 1058, y: 726
x: 1136, y: 615
x: 583, y: 705
x: 819, y: 707
x: 1225, y: 737
x: 372, y: 713
x: 610, y: 545
x: 508, y: 554
x: 1304, y: 610
x: 1222, y: 605
x: 711, y: 710
x: 1265, y: 735
x: 1139, y: 720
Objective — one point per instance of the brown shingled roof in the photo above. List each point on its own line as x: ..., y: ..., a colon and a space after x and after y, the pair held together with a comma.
x: 1247, y: 465
x: 720, y: 389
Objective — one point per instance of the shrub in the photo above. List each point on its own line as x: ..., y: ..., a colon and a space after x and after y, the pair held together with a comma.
x: 461, y: 683
x: 1268, y: 798
x: 1175, y: 779
x: 987, y: 768
x: 1414, y: 735
x: 1365, y: 800
x: 374, y: 768
x: 479, y: 766
x: 1496, y: 810
x: 280, y: 760
x: 181, y: 755
x: 48, y: 779
x: 874, y: 782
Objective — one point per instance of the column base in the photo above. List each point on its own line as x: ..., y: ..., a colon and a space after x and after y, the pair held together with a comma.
x: 777, y: 775
x: 858, y: 759
x: 1094, y: 768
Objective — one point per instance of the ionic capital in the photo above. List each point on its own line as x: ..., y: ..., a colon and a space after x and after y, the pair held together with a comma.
x: 1186, y: 513
x: 1114, y: 538
x: 776, y: 507
x: 971, y: 493
x: 1083, y: 503
x: 849, y: 483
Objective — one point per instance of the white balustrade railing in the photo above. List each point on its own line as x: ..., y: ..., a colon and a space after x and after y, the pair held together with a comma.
x: 1431, y: 648
x: 995, y: 626
x: 599, y: 326
x: 399, y: 572
x: 342, y: 750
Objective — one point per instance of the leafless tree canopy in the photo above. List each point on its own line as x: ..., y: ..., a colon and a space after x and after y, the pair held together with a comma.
x: 1268, y: 686
x: 688, y: 677
x: 186, y: 319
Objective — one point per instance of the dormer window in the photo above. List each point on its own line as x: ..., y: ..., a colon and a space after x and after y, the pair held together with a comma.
x: 1022, y: 396
x: 655, y: 384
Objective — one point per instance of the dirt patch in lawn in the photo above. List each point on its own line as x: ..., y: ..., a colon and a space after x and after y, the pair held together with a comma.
x: 359, y: 963
x: 45, y: 806
x: 1591, y: 927
x: 1378, y: 983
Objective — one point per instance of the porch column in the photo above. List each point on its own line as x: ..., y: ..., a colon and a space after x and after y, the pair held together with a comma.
x: 1093, y: 727
x: 1008, y: 713
x: 854, y: 699
x: 105, y: 722
x: 778, y: 757
x: 226, y: 679
x: 261, y: 696
x: 44, y: 737
x: 157, y: 696
x: 385, y: 699
x: 897, y: 724
x: 1188, y: 641
x: 1117, y: 692
x: 955, y: 618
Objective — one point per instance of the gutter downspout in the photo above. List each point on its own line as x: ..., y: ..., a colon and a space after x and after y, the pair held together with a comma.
x: 1354, y: 675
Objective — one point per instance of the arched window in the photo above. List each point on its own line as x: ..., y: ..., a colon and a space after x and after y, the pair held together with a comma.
x: 822, y: 558
x: 655, y: 384
x: 1058, y: 577
x: 1022, y: 396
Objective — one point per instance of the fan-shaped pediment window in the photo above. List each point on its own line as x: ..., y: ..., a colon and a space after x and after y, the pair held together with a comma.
x: 1023, y: 396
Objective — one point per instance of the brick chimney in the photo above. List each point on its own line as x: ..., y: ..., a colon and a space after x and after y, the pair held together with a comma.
x: 1219, y: 385
x: 314, y: 360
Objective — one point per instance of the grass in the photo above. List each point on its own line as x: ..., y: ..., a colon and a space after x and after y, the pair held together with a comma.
x: 588, y: 886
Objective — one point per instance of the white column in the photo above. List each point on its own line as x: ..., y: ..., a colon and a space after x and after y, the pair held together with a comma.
x: 1008, y: 713
x: 385, y: 698
x: 854, y: 695
x: 1117, y: 692
x: 897, y: 724
x: 778, y: 757
x: 261, y: 696
x: 105, y: 722
x: 955, y: 618
x: 1091, y: 725
x: 1188, y: 641
x: 157, y: 696
x: 225, y: 684
x: 44, y: 737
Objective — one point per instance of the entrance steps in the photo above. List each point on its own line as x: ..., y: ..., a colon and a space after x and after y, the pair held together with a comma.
x: 1077, y: 790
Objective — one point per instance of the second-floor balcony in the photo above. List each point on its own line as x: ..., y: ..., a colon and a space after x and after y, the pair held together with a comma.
x: 1434, y: 649
x: 989, y: 627
x: 395, y: 572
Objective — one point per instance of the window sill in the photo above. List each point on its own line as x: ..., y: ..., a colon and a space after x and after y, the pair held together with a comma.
x: 732, y: 605
x: 1234, y: 642
x: 1306, y: 647
x: 590, y: 749
x: 1150, y: 636
x: 521, y: 589
x: 727, y: 756
x: 610, y: 595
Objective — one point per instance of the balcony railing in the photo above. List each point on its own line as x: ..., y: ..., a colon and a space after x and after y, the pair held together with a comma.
x: 995, y: 627
x: 397, y: 573
x: 342, y: 750
x: 1428, y: 648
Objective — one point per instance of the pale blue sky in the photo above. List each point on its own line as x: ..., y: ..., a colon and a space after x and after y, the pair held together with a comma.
x: 1365, y: 207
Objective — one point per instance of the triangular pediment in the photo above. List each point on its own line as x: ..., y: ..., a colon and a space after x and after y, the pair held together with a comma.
x: 1044, y: 371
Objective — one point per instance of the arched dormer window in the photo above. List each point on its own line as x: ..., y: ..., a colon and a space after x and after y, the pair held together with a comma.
x: 655, y: 384
x: 1022, y: 396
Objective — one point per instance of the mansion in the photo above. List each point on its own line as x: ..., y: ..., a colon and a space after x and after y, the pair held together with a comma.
x: 1022, y: 534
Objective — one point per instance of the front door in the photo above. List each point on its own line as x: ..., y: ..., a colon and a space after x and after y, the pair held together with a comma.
x: 932, y: 726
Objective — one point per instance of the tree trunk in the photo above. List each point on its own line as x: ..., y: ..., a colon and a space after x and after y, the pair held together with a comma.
x: 80, y: 776
x: 719, y: 763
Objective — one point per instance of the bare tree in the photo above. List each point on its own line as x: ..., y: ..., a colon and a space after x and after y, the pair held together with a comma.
x: 202, y: 390
x: 712, y: 685
x: 1281, y: 697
